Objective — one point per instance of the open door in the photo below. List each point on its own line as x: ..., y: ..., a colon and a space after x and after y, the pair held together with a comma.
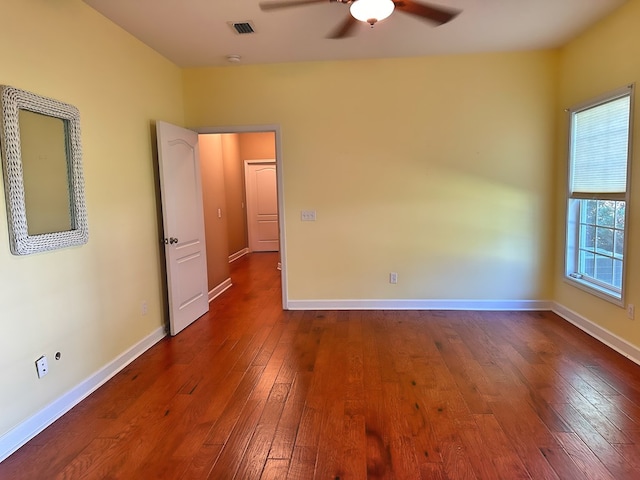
x: 183, y: 219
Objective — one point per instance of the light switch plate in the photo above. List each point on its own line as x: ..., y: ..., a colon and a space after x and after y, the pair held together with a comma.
x: 308, y: 215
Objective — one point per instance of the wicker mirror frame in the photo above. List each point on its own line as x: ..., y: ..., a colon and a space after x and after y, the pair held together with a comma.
x: 21, y: 243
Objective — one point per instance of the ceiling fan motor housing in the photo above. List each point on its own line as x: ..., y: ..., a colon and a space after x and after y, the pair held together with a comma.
x: 371, y: 11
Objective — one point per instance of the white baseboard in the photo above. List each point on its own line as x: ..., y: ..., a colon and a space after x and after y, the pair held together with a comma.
x: 217, y: 291
x: 610, y: 339
x: 238, y: 254
x: 21, y: 434
x: 418, y: 305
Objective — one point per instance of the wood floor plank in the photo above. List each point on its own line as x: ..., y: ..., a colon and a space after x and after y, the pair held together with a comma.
x: 528, y: 436
x: 287, y: 429
x: 224, y: 426
x: 232, y: 454
x: 615, y: 463
x: 584, y: 458
x: 455, y: 461
x: 275, y: 469
x: 399, y: 444
x: 631, y: 454
x: 599, y: 421
x: 202, y: 462
x: 260, y: 444
x: 465, y: 382
x: 353, y: 456
x: 505, y: 459
x: 562, y: 462
x: 303, y: 463
x: 329, y: 458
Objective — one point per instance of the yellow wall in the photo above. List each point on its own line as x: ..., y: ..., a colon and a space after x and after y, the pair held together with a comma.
x: 436, y: 168
x: 601, y: 60
x: 84, y: 302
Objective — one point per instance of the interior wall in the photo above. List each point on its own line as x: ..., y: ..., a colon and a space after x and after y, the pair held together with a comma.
x: 257, y: 146
x: 234, y: 189
x: 599, y: 61
x: 436, y: 168
x: 212, y: 154
x: 85, y: 302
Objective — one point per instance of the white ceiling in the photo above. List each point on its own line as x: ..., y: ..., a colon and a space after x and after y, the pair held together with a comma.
x: 194, y: 33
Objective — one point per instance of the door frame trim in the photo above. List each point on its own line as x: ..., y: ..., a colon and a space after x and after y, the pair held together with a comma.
x: 274, y: 128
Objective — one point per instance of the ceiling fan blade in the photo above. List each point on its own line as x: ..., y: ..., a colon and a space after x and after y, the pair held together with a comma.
x: 266, y: 6
x: 435, y: 14
x: 345, y: 29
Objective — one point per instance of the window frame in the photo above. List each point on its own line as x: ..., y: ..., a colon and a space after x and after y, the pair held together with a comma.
x: 574, y: 202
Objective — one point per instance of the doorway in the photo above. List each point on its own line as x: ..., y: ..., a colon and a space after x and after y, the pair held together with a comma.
x: 223, y: 152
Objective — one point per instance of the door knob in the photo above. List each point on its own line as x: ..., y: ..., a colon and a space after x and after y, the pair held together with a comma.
x: 172, y: 240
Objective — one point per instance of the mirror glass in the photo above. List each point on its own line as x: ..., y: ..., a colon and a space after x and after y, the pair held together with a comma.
x: 44, y: 184
x: 44, y: 171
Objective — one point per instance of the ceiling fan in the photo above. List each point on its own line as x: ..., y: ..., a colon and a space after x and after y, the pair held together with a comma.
x: 371, y: 11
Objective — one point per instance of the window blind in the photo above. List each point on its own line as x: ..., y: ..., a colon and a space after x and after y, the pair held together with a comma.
x: 600, y: 148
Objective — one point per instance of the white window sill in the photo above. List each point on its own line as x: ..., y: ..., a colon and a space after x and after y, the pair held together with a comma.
x: 600, y: 292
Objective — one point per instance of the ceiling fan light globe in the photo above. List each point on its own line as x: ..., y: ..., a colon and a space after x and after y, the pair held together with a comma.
x: 371, y: 11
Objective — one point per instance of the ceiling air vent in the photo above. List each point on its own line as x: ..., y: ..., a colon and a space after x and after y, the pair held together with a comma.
x: 242, y: 28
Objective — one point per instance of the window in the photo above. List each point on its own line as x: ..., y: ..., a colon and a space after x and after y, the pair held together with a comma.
x: 599, y: 154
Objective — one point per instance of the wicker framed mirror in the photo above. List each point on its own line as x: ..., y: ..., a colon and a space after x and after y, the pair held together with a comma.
x: 42, y: 163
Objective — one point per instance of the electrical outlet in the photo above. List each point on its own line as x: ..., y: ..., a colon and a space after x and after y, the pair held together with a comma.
x: 631, y: 310
x: 393, y: 277
x: 42, y: 366
x: 144, y: 309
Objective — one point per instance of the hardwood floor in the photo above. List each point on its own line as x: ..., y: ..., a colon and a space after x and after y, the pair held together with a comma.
x: 252, y: 392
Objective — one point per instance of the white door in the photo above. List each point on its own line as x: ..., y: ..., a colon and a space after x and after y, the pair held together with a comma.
x: 182, y: 214
x: 262, y: 206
